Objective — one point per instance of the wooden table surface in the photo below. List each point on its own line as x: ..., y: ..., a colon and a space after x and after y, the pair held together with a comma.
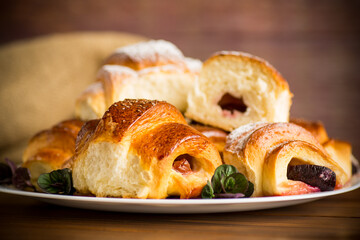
x: 314, y: 44
x: 336, y: 217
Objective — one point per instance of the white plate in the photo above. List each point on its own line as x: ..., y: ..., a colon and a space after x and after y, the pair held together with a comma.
x: 179, y: 205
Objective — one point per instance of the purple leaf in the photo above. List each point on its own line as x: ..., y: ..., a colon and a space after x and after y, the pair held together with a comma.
x: 229, y: 195
x: 20, y: 176
x: 5, y: 174
x: 11, y: 164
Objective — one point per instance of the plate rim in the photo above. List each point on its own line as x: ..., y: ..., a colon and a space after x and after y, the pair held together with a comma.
x: 355, y: 183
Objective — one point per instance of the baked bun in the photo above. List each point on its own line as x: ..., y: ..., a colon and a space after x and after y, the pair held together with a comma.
x: 143, y: 149
x: 264, y: 152
x: 50, y: 149
x: 235, y: 89
x: 151, y: 70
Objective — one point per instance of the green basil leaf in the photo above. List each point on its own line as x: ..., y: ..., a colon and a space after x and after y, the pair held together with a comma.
x: 237, y: 183
x: 249, y: 190
x: 69, y: 187
x: 227, y: 182
x: 207, y: 191
x: 57, y: 182
x: 44, y: 183
x: 221, y: 173
x: 55, y: 176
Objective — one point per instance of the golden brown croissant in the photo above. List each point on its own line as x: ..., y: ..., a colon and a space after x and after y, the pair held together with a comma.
x: 152, y: 70
x: 49, y: 149
x: 142, y: 149
x: 235, y: 89
x: 264, y: 152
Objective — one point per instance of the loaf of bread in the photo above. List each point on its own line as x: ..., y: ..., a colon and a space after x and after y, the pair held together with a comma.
x: 49, y: 149
x: 142, y: 149
x: 235, y: 89
x: 264, y: 152
x: 154, y: 69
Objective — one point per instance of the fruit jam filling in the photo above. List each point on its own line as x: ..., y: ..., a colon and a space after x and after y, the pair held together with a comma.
x: 231, y: 103
x: 182, y: 164
x: 320, y: 177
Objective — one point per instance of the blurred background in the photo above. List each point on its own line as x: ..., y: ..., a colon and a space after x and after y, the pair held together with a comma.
x: 314, y: 44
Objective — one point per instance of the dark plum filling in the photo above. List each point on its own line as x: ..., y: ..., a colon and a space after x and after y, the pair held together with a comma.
x: 182, y: 164
x: 313, y: 175
x: 231, y: 103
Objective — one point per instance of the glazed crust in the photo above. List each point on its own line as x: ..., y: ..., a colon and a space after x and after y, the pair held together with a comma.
x: 249, y: 147
x: 155, y: 133
x: 170, y: 135
x: 121, y: 116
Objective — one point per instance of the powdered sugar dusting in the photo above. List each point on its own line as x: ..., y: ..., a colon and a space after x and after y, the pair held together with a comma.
x: 118, y: 69
x: 163, y: 68
x: 237, y: 53
x: 111, y: 71
x: 194, y: 65
x: 237, y: 139
x: 284, y: 124
x: 150, y: 50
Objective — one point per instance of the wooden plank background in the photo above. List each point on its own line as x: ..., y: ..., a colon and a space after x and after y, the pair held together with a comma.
x: 314, y: 44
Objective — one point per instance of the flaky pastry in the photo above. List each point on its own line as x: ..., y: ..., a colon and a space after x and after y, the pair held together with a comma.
x: 142, y: 149
x: 264, y: 151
